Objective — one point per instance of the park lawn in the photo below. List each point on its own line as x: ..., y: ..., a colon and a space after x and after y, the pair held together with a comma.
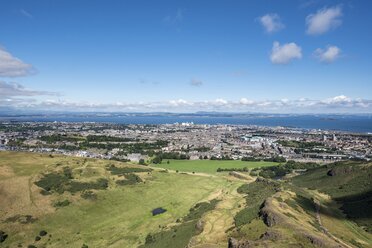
x: 209, y: 166
x: 119, y: 217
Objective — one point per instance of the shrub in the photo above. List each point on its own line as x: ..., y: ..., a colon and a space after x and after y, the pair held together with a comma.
x: 63, y: 203
x: 130, y: 180
x: 124, y: 170
x: 89, y: 195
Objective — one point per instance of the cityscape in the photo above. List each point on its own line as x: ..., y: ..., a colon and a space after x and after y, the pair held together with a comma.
x: 227, y: 142
x: 185, y: 124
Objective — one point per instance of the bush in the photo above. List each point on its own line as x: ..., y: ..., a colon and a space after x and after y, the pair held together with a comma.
x: 124, y: 170
x: 89, y: 195
x: 60, y: 204
x: 130, y: 180
x: 245, y: 169
x: 101, y: 183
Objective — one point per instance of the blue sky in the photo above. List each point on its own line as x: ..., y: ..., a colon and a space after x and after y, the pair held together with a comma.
x: 264, y: 56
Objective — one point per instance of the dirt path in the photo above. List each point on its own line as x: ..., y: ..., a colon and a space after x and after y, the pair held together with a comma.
x: 324, y: 229
x: 216, y: 222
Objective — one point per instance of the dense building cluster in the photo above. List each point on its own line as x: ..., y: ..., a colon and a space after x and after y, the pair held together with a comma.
x: 184, y: 141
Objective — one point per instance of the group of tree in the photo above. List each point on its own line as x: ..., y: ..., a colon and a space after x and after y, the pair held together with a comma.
x: 277, y: 159
x: 245, y: 169
x: 224, y: 157
x: 278, y: 171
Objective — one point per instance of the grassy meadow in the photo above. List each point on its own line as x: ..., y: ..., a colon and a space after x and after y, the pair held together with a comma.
x: 59, y: 201
x: 119, y: 216
x: 209, y: 166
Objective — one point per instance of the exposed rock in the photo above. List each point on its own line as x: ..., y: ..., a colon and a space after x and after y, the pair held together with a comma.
x: 234, y: 243
x: 270, y: 235
x: 316, y: 241
x: 199, y: 225
x: 269, y: 217
x: 261, y: 179
x: 339, y: 171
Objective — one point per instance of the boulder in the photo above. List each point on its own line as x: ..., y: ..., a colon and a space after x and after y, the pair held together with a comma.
x: 234, y: 243
x: 270, y: 235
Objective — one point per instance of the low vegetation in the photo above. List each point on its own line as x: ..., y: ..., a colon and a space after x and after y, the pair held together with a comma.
x: 58, y: 201
x: 279, y: 171
x: 178, y: 236
x: 63, y: 181
x: 130, y: 179
x: 118, y: 216
x: 121, y: 171
x: 349, y: 183
x: 255, y: 195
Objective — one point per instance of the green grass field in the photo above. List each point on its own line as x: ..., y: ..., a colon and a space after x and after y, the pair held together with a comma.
x: 208, y: 166
x: 119, y: 217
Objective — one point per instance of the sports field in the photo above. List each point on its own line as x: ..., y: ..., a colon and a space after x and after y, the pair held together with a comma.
x: 209, y: 166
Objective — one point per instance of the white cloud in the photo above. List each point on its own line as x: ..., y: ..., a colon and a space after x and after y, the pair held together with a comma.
x: 11, y: 66
x: 324, y: 20
x: 342, y: 99
x: 179, y: 102
x: 196, y: 82
x: 328, y: 55
x: 245, y: 101
x: 221, y: 101
x: 283, y: 54
x: 271, y: 22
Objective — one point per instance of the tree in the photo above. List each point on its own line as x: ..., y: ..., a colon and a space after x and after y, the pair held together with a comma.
x: 157, y: 160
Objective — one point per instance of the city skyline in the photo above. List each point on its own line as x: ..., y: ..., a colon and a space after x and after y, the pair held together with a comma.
x: 186, y: 56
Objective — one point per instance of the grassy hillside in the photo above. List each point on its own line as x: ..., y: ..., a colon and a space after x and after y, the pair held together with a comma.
x: 307, y: 210
x: 113, y: 217
x: 348, y: 183
x: 209, y: 166
x: 59, y: 201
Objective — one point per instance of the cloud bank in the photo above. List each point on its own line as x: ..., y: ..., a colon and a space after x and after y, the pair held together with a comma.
x: 17, y: 97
